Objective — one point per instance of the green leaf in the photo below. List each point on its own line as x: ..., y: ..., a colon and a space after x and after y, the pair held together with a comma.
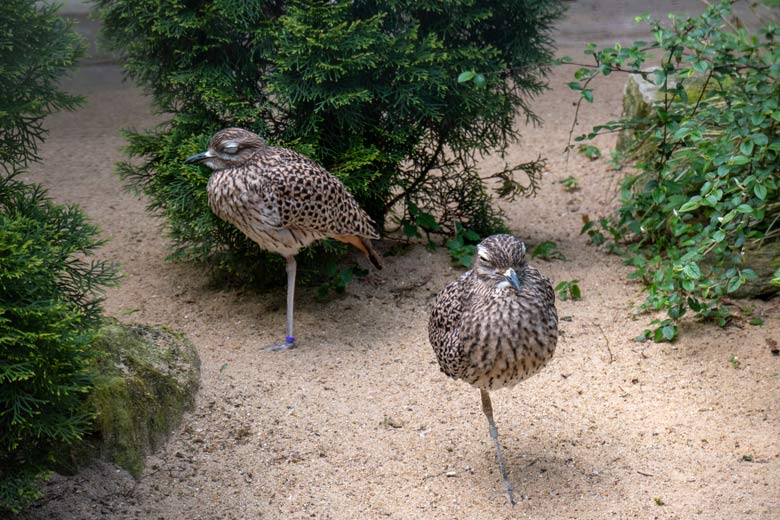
x: 740, y: 159
x: 470, y: 235
x: 479, y: 80
x: 682, y: 132
x: 692, y: 271
x: 455, y: 243
x: 669, y: 332
x: 410, y: 229
x: 547, y: 250
x: 733, y: 284
x: 587, y: 94
x: 589, y: 151
x: 466, y: 75
x: 759, y: 139
x: 701, y: 66
x: 749, y: 274
x: 568, y: 289
x: 691, y: 205
x: 775, y: 278
x: 427, y: 222
x: 760, y: 191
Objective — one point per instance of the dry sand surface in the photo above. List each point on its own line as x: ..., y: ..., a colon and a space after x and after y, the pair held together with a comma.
x: 358, y: 422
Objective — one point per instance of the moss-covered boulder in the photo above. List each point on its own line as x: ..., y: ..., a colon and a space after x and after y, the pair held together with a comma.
x: 639, y: 96
x: 764, y: 260
x: 148, y: 377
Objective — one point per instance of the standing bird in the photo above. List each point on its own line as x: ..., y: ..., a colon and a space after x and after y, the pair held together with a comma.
x: 282, y: 200
x: 496, y: 325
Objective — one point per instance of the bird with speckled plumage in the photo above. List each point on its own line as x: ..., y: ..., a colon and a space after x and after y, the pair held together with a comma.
x: 496, y: 325
x: 282, y: 200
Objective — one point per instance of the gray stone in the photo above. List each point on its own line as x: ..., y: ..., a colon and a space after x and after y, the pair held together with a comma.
x: 764, y: 260
x: 639, y: 96
x: 148, y: 378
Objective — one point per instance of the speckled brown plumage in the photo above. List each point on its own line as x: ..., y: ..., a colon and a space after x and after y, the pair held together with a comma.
x: 279, y: 198
x: 496, y: 325
x: 282, y: 200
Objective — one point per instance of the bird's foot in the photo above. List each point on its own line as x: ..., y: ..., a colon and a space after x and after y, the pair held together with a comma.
x: 288, y: 343
x: 510, y: 493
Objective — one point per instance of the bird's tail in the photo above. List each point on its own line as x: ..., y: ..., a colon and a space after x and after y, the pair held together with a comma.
x: 364, y: 244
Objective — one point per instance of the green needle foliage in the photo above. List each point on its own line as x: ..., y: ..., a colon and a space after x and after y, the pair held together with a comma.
x: 366, y: 88
x: 37, y: 47
x: 49, y: 291
x: 49, y: 311
x: 710, y: 188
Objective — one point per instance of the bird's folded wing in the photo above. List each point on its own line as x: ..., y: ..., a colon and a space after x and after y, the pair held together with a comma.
x: 311, y: 197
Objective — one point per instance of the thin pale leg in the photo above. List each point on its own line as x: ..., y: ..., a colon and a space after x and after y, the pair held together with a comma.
x: 487, y: 407
x: 289, y: 341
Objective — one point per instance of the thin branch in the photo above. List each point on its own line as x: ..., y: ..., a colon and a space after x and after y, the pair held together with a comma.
x: 420, y: 178
x: 576, y: 118
x: 606, y: 339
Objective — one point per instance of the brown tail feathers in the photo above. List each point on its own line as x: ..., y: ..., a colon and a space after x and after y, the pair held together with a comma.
x: 364, y: 245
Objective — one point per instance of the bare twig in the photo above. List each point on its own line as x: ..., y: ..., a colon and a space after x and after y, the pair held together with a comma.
x: 611, y: 357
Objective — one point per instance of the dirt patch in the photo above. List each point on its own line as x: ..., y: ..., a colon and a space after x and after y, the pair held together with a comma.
x: 358, y: 422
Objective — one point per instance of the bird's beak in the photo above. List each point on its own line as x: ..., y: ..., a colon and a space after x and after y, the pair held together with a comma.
x: 198, y: 157
x: 511, y: 275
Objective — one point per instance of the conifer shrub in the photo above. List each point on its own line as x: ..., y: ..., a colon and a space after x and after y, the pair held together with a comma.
x: 49, y: 313
x: 49, y: 291
x: 37, y: 47
x: 366, y: 88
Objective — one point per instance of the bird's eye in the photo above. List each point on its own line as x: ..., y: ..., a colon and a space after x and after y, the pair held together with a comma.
x: 230, y: 148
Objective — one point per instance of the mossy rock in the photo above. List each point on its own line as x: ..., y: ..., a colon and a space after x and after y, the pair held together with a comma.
x: 148, y: 377
x: 639, y: 96
x: 763, y: 260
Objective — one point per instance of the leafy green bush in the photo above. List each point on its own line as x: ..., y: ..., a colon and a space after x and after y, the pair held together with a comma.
x: 709, y: 189
x: 37, y: 47
x: 366, y: 88
x: 49, y: 310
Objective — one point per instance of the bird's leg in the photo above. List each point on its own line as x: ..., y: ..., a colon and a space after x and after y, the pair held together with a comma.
x: 487, y: 407
x: 289, y: 341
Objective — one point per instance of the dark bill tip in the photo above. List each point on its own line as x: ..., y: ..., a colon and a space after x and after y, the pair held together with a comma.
x: 198, y: 157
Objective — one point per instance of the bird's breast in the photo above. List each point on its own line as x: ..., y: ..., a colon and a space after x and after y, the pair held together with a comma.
x: 507, y: 340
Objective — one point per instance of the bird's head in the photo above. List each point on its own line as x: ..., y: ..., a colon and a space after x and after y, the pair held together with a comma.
x: 500, y: 261
x: 228, y: 147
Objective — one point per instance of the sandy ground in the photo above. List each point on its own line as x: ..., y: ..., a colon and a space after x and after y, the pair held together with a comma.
x: 610, y: 429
